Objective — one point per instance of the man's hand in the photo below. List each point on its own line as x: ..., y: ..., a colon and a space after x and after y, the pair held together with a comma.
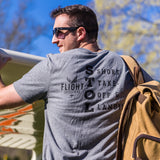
x: 9, y: 98
x: 4, y: 58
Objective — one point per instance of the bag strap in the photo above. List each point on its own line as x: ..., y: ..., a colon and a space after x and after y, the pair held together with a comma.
x: 124, y: 117
x: 137, y: 76
x: 134, y: 68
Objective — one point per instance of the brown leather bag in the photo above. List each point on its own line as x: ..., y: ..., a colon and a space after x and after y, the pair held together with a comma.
x: 139, y: 126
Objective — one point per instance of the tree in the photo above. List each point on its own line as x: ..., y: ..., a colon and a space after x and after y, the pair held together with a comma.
x: 18, y: 29
x: 131, y: 27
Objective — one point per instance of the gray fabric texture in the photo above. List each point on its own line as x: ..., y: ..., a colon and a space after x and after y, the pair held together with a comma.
x: 84, y: 93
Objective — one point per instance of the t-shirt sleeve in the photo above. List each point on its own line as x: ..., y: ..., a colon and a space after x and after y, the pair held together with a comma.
x: 34, y: 84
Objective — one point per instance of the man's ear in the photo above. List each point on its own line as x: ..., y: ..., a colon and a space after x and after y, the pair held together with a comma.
x: 81, y: 33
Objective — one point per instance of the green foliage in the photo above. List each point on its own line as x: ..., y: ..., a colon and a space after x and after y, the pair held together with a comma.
x: 131, y: 27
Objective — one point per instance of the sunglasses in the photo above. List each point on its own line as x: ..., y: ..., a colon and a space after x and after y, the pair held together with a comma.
x: 60, y: 35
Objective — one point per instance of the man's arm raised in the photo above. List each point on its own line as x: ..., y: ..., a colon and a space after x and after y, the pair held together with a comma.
x: 9, y: 98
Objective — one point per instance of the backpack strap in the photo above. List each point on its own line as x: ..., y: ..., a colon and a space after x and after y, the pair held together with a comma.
x: 125, y: 114
x: 137, y: 76
x: 134, y: 69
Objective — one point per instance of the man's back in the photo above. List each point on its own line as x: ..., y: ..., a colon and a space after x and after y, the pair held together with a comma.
x: 85, y: 92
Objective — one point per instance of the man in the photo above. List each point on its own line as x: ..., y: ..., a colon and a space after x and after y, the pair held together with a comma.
x: 84, y: 88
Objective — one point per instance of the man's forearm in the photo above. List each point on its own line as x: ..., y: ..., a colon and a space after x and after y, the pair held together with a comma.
x: 9, y: 98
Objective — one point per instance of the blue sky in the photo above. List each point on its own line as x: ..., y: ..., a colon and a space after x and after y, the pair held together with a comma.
x: 41, y: 10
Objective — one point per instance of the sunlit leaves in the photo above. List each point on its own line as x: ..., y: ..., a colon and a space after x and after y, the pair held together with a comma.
x: 131, y: 27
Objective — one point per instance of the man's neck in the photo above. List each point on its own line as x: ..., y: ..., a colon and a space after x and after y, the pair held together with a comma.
x: 93, y: 46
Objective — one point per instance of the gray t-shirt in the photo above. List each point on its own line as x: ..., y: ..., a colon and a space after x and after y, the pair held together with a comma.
x: 84, y: 93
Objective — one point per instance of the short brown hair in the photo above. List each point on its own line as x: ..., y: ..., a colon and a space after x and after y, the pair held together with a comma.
x: 81, y: 16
